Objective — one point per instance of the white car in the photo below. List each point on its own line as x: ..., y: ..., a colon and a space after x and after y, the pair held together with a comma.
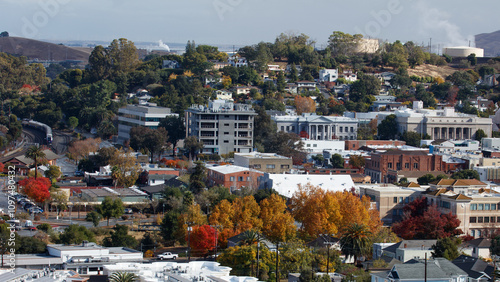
x: 167, y: 255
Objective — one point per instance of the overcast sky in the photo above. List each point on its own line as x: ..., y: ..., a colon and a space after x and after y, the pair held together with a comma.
x: 245, y: 22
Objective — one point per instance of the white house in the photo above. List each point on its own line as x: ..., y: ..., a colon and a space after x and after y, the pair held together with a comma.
x: 224, y: 95
x: 318, y: 146
x: 328, y: 75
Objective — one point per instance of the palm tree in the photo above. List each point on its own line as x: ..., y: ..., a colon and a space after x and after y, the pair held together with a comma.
x: 121, y: 276
x: 36, y: 153
x: 355, y: 241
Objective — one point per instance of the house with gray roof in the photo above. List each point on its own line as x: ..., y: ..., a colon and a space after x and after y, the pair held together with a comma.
x: 410, y: 249
x: 477, y: 269
x: 437, y: 269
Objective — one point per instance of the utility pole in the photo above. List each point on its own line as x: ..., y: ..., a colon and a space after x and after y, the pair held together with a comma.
x: 258, y: 259
x: 425, y: 268
x: 277, y: 262
x: 189, y: 246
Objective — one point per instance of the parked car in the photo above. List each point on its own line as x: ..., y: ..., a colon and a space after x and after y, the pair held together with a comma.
x: 128, y: 210
x: 167, y: 255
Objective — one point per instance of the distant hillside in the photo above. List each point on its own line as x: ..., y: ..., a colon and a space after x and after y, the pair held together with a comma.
x: 490, y: 42
x: 34, y: 49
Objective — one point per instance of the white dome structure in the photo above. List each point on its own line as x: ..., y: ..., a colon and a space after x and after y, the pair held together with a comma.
x: 463, y: 51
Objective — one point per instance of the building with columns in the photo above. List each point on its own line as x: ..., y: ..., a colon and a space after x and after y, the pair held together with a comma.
x: 314, y: 127
x: 439, y: 124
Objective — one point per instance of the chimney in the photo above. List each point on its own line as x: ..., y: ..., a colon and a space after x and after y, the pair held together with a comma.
x: 405, y: 246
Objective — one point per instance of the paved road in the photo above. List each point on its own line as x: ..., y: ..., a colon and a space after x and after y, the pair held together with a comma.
x: 61, y: 141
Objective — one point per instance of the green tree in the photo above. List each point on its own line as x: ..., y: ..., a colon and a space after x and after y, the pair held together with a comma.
x: 446, y: 248
x: 395, y: 55
x: 411, y: 138
x: 75, y: 234
x: 94, y: 217
x: 98, y: 65
x: 343, y: 44
x: 175, y: 128
x: 122, y: 276
x: 426, y: 179
x: 35, y: 153
x: 465, y: 174
x: 31, y: 245
x: 120, y: 238
x: 495, y: 246
x: 337, y: 161
x: 122, y: 56
x: 355, y: 241
x: 486, y: 70
x: 472, y: 59
x: 388, y: 128
x: 73, y: 122
x: 110, y: 208
x: 198, y: 178
x: 281, y: 82
x: 53, y: 172
x: 357, y: 161
x: 193, y: 146
x: 480, y: 134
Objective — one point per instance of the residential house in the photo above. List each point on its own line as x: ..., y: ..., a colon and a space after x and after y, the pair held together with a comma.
x: 410, y: 249
x: 306, y: 86
x: 237, y: 61
x: 224, y: 95
x: 477, y: 269
x: 170, y: 64
x: 22, y: 164
x: 328, y: 75
x: 477, y: 248
x: 264, y: 162
x: 435, y: 269
x: 155, y: 192
x: 233, y: 177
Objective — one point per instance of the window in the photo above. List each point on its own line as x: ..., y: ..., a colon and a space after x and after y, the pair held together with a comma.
x: 473, y: 207
x: 480, y: 207
x: 340, y: 129
x: 285, y: 166
x: 282, y: 128
x: 315, y: 145
x: 486, y: 219
x: 493, y: 207
x: 401, y: 199
x: 240, y: 178
x: 389, y: 165
x: 398, y: 166
x: 415, y: 165
x: 479, y: 219
x: 395, y: 200
x: 346, y: 129
x: 472, y: 219
x: 486, y: 207
x: 270, y: 166
x: 226, y: 141
x: 256, y: 166
x: 249, y: 178
x: 287, y: 128
x: 308, y: 145
x: 407, y: 165
x: 445, y: 205
x: 231, y: 178
x: 226, y: 133
x: 352, y: 129
x: 226, y: 124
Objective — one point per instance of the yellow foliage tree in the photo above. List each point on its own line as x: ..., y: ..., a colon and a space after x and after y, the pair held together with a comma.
x: 192, y: 217
x: 226, y: 81
x: 278, y: 224
x: 187, y: 73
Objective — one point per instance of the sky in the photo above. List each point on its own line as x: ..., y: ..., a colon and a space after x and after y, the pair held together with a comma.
x: 247, y: 22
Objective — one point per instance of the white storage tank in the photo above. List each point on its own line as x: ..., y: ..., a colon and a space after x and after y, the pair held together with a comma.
x: 463, y: 51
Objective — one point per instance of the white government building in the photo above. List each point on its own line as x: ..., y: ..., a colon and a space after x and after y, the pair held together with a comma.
x: 439, y: 124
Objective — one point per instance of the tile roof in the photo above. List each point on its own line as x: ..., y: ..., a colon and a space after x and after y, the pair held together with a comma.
x: 458, y: 182
x: 460, y: 197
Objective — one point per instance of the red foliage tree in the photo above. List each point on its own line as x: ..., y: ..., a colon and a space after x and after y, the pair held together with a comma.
x: 36, y: 189
x: 2, y: 167
x: 202, y: 240
x: 421, y: 221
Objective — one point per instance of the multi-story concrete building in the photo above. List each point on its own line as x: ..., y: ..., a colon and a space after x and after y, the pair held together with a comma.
x: 478, y: 209
x: 233, y: 177
x: 439, y: 124
x: 384, y: 166
x: 328, y: 75
x: 147, y: 115
x: 314, y: 127
x: 390, y: 199
x: 223, y: 126
x: 265, y: 162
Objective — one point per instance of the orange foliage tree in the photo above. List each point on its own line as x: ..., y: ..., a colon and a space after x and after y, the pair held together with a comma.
x: 37, y: 189
x: 326, y: 212
x: 82, y: 148
x: 304, y: 105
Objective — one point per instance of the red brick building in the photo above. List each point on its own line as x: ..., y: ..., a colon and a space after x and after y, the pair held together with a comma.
x: 233, y: 177
x: 383, y: 165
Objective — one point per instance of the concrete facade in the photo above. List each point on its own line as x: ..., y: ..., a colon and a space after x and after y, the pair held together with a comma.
x: 148, y: 115
x: 233, y: 177
x: 314, y: 127
x: 223, y: 126
x: 265, y: 162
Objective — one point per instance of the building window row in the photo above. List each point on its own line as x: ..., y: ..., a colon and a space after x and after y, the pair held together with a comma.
x: 483, y: 207
x: 485, y: 219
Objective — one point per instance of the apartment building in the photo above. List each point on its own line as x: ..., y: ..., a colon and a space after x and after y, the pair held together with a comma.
x: 146, y: 115
x: 223, y: 126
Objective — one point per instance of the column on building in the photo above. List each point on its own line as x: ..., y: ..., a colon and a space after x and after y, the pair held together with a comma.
x: 443, y: 133
x: 458, y: 134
